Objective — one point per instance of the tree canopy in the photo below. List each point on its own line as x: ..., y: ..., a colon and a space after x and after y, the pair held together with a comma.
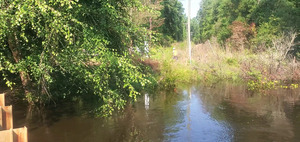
x: 55, y: 49
x: 268, y: 18
x: 173, y: 16
x: 60, y: 47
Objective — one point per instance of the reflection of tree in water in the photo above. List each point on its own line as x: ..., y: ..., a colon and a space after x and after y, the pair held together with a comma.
x: 253, y: 116
x: 135, y: 123
x: 294, y: 116
x: 146, y: 121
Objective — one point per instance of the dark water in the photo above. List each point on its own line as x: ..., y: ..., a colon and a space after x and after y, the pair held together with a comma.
x: 222, y: 113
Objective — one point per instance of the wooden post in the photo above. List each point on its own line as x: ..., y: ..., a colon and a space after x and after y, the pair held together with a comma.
x: 7, y: 133
x: 14, y: 135
x: 2, y: 100
x: 1, y: 119
x: 20, y: 135
x: 7, y: 118
x: 6, y: 136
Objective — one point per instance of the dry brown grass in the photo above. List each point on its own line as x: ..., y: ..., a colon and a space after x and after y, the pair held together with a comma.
x: 151, y: 63
x: 213, y: 62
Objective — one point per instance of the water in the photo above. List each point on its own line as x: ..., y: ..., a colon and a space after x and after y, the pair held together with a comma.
x: 222, y: 113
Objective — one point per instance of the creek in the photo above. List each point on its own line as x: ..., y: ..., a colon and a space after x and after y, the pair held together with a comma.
x: 219, y: 113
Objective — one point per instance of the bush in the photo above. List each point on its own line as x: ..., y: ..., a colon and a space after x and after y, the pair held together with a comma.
x: 172, y: 72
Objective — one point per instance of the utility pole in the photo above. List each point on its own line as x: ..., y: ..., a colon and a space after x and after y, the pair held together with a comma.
x: 189, y: 30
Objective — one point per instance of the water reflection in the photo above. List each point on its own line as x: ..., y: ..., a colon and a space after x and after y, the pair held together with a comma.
x: 147, y: 99
x: 224, y: 112
x: 254, y: 117
x: 197, y: 124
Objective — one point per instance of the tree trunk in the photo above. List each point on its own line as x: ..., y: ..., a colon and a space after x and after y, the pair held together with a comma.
x: 13, y: 45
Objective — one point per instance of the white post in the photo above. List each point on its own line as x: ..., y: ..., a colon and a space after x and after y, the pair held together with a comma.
x: 189, y: 30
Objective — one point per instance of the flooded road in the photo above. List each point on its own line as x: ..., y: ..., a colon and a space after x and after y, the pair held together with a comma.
x: 222, y: 113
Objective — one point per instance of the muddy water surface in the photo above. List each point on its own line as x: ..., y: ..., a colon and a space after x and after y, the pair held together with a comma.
x: 222, y: 113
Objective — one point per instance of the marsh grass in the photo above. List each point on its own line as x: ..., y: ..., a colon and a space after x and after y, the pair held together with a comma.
x: 267, y: 69
x: 173, y: 72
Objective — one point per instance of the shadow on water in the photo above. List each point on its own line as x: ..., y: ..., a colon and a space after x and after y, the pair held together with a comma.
x: 224, y: 112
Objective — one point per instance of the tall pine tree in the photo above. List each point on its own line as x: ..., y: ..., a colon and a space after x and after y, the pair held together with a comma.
x: 172, y: 13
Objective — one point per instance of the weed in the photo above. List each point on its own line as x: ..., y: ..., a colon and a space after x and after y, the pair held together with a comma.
x: 210, y: 64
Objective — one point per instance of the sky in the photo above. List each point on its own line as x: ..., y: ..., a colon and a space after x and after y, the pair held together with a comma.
x: 195, y: 5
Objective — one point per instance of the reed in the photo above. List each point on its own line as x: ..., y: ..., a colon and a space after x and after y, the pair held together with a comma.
x: 266, y: 69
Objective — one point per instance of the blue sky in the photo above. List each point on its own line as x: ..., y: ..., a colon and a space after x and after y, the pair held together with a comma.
x: 195, y: 5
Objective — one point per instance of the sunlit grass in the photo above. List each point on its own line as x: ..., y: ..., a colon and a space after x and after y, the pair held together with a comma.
x: 212, y: 63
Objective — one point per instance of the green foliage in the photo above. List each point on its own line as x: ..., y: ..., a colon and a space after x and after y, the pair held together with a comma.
x: 259, y: 83
x: 231, y: 61
x: 194, y: 28
x: 59, y: 48
x: 270, y: 17
x: 294, y: 86
x: 262, y: 84
x: 172, y: 13
x: 214, y: 18
x: 267, y: 32
x: 165, y: 40
x: 172, y: 72
x: 223, y: 34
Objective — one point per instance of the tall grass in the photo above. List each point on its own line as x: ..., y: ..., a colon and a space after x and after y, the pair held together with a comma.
x: 262, y: 69
x: 172, y: 72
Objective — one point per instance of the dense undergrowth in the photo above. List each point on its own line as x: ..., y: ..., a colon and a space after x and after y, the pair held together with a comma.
x: 51, y: 51
x: 172, y: 72
x: 262, y: 70
x: 258, y: 42
x: 58, y: 50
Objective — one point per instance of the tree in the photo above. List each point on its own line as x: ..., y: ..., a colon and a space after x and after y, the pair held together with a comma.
x: 31, y: 36
x: 195, y: 28
x: 60, y: 48
x: 271, y: 18
x: 148, y: 17
x: 172, y: 12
